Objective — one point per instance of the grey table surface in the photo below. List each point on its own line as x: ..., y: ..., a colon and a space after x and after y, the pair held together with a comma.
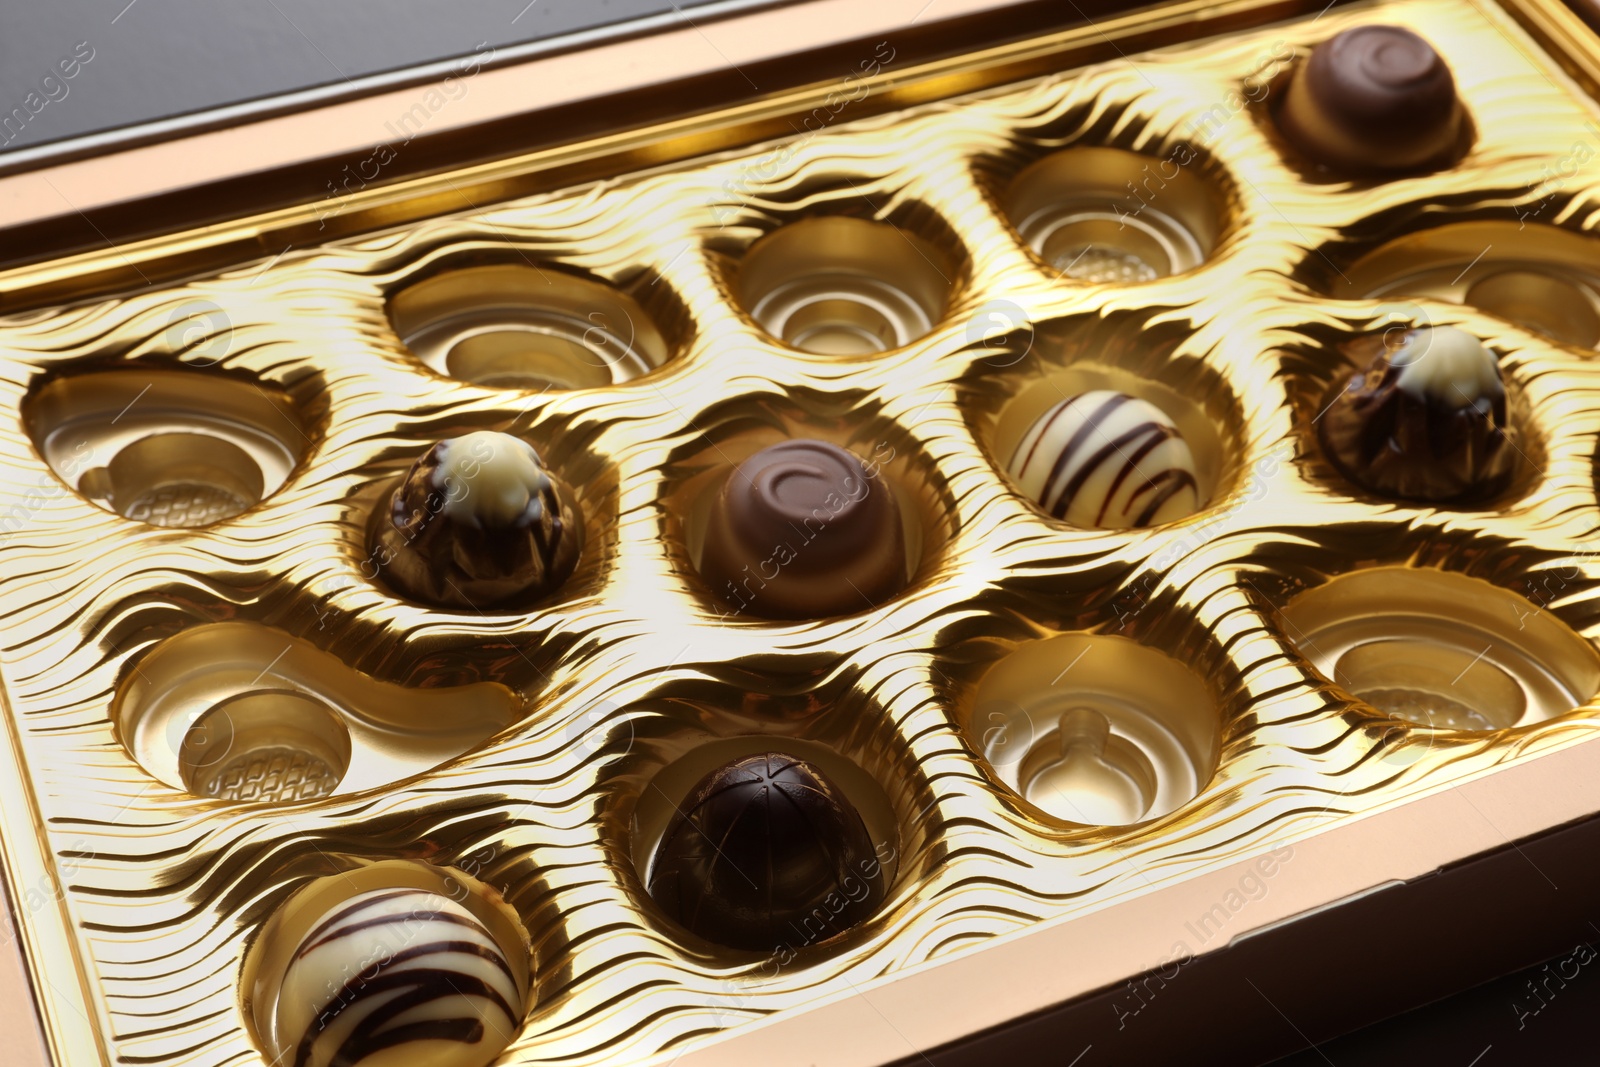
x: 74, y: 67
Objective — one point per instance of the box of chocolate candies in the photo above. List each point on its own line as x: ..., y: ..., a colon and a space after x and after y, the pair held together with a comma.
x: 828, y: 598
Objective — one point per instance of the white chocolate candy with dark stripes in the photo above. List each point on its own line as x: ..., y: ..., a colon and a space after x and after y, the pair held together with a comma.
x: 398, y: 977
x: 1106, y: 459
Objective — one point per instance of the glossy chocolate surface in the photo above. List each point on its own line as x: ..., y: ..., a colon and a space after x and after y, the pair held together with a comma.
x: 766, y: 851
x: 803, y: 529
x: 398, y: 975
x: 1373, y: 99
x: 1109, y: 460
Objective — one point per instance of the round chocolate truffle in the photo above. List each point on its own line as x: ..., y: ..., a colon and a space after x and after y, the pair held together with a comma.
x: 802, y: 529
x: 478, y: 521
x: 1109, y: 460
x: 766, y: 852
x: 397, y: 977
x: 1373, y: 99
x: 1425, y: 420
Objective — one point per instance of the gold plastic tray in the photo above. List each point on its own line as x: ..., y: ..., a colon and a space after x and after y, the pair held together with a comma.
x: 521, y: 748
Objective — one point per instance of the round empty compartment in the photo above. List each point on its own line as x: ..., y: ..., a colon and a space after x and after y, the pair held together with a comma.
x: 1539, y: 300
x: 844, y: 286
x: 1096, y: 730
x: 1443, y: 650
x: 388, y: 963
x: 1109, y: 215
x: 515, y: 327
x: 1539, y: 277
x: 182, y: 479
x: 275, y: 745
x: 1010, y: 428
x: 170, y: 448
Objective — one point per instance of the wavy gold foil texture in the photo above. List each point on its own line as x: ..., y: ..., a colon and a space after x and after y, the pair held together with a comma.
x: 633, y: 663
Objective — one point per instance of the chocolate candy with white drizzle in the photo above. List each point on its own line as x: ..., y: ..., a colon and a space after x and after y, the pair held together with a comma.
x: 478, y: 522
x: 1425, y: 420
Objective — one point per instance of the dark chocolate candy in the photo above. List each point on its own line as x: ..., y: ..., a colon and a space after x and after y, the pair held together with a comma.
x: 1373, y: 99
x: 802, y: 529
x: 477, y: 522
x: 1425, y: 420
x: 767, y: 852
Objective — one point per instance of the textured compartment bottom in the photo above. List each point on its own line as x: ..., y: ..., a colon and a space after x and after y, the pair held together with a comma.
x: 844, y: 286
x: 275, y: 775
x: 1088, y: 213
x: 185, y: 504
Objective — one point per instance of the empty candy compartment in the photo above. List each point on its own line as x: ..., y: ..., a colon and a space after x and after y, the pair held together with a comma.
x: 1096, y: 730
x: 431, y: 939
x: 1442, y: 649
x: 1540, y: 277
x: 167, y: 447
x: 846, y: 286
x: 523, y: 327
x: 242, y: 712
x: 1109, y: 215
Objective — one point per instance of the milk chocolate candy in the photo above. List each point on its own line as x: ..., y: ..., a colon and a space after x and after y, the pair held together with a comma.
x: 767, y: 852
x: 1106, y: 459
x: 801, y: 530
x: 477, y: 522
x: 1373, y: 99
x: 397, y: 977
x: 1424, y: 421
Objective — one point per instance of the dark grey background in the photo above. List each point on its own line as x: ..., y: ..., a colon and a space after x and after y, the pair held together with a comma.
x: 154, y: 59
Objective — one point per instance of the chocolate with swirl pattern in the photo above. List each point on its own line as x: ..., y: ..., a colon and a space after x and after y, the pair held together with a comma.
x: 1109, y: 460
x: 1371, y: 100
x: 398, y: 976
x: 478, y: 522
x: 803, y: 529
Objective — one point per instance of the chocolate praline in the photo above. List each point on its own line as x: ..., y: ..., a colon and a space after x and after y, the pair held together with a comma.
x: 1108, y: 460
x: 397, y: 976
x: 803, y: 529
x: 1373, y: 99
x: 478, y: 521
x: 765, y: 852
x: 1425, y: 420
